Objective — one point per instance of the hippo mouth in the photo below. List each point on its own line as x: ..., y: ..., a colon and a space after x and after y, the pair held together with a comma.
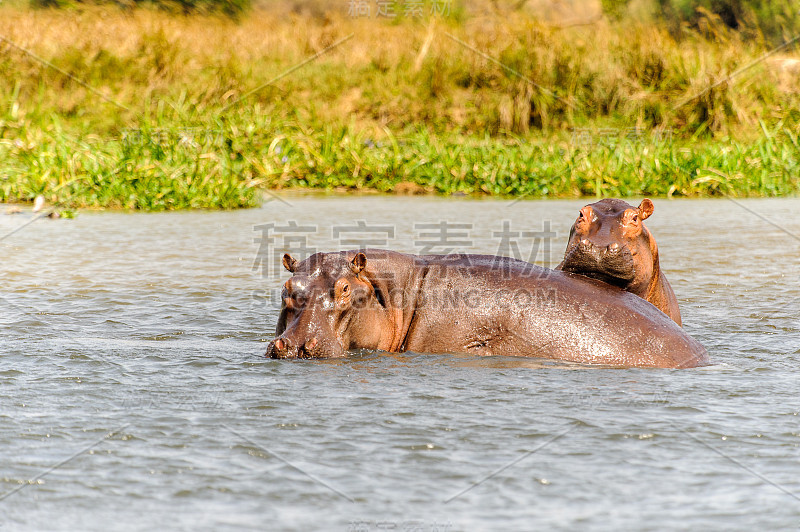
x: 308, y: 351
x: 616, y: 269
x: 604, y: 277
x: 275, y: 355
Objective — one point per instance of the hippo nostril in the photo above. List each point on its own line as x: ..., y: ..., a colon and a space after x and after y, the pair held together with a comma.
x: 311, y: 344
x: 586, y: 245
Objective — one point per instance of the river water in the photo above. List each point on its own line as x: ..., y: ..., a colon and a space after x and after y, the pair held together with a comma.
x: 135, y: 395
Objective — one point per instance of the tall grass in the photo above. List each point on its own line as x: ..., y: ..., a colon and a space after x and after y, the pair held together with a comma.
x: 403, y: 101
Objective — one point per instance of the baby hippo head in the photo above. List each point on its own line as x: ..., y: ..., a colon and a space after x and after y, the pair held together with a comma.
x: 321, y: 305
x: 609, y: 242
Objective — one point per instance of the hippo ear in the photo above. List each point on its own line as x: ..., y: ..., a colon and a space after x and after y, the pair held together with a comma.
x: 289, y: 262
x: 646, y: 208
x: 359, y: 263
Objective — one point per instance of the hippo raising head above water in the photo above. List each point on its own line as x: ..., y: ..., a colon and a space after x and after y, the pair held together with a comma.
x: 609, y: 242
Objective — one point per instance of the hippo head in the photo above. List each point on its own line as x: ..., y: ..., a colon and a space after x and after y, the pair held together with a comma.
x: 609, y: 242
x: 324, y: 305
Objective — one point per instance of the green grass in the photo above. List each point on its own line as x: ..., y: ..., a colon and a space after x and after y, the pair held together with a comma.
x: 225, y: 168
x: 130, y: 173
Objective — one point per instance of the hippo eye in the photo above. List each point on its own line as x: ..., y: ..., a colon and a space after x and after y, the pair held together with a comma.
x: 635, y: 218
x: 346, y: 289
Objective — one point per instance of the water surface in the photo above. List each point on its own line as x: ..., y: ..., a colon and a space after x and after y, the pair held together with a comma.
x: 135, y: 394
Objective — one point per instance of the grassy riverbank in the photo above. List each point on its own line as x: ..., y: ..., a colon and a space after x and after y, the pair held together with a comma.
x: 145, y: 110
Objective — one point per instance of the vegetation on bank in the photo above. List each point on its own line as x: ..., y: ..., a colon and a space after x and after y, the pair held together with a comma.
x: 158, y: 169
x: 146, y: 110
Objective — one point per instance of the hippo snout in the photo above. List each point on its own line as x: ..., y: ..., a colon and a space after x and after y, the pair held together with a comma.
x: 610, y: 262
x: 282, y: 347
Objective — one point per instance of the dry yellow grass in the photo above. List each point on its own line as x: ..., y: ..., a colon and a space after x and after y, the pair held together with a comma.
x: 382, y: 76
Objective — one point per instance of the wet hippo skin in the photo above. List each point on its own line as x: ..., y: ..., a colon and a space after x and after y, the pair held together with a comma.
x: 485, y: 305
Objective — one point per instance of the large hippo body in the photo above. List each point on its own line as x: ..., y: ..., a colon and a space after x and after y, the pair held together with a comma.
x: 486, y: 305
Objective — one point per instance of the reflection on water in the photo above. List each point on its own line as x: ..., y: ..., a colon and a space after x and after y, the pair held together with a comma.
x: 155, y: 326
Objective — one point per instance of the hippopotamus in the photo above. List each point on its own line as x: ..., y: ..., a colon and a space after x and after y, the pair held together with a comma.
x: 478, y: 304
x: 609, y: 242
